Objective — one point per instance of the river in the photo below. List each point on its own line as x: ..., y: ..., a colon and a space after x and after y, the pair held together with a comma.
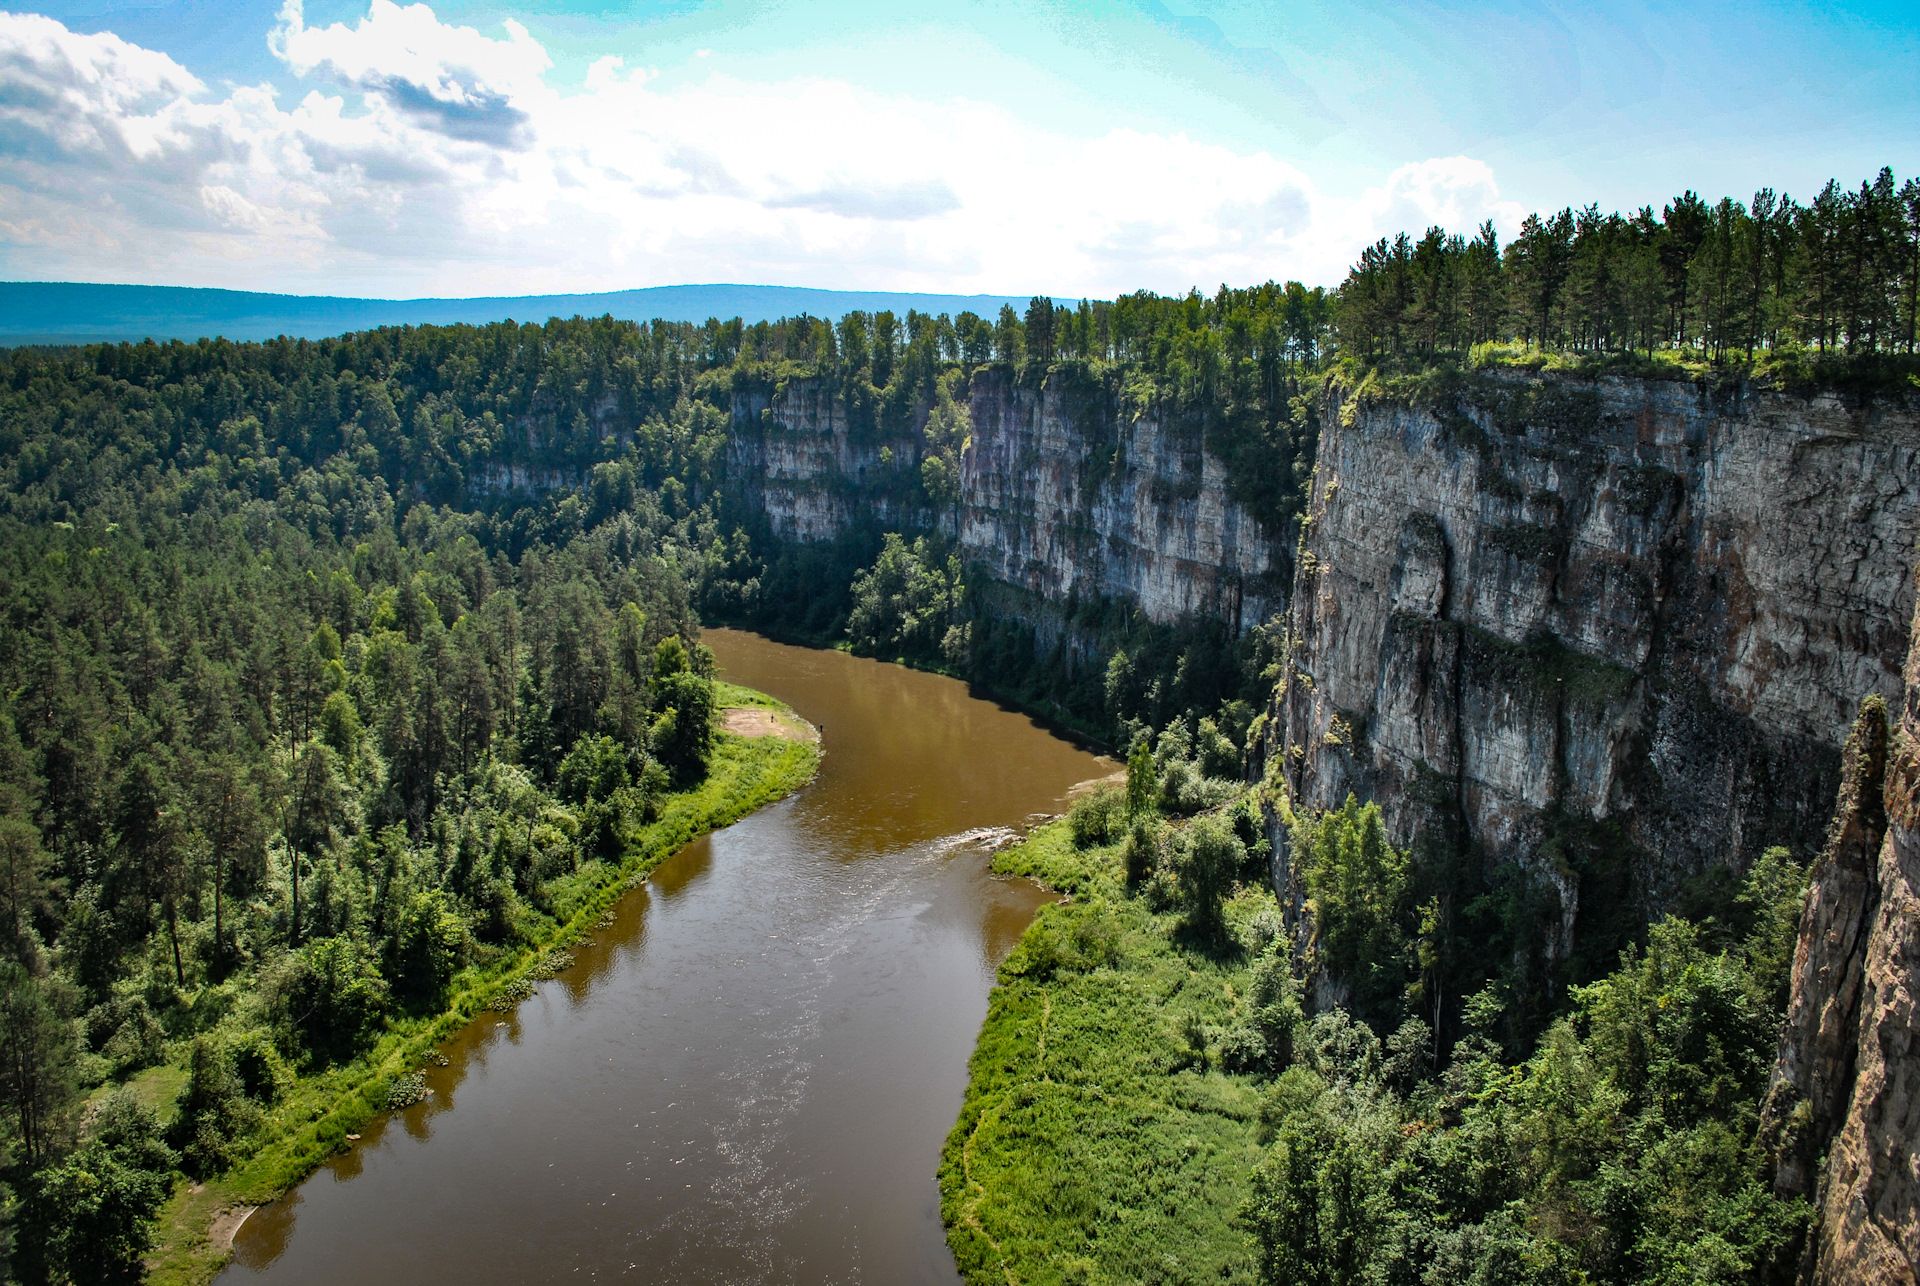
x: 749, y: 1076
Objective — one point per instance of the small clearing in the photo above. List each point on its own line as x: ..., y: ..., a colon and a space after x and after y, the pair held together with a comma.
x: 758, y: 721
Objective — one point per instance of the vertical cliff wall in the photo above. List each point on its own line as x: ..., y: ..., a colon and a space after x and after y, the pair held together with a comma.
x: 1529, y: 602
x: 1065, y: 497
x: 803, y: 462
x: 1061, y: 497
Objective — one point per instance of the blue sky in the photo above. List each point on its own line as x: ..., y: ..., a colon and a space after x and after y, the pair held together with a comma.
x: 464, y: 148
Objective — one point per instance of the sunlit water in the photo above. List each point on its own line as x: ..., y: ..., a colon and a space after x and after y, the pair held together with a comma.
x: 749, y: 1077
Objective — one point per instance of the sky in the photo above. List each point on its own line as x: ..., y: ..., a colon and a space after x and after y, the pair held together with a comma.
x: 360, y: 147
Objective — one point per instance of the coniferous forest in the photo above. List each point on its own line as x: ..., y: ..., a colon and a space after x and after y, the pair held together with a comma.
x: 338, y: 677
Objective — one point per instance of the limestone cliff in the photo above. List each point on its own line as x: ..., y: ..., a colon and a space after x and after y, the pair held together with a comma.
x: 1062, y: 497
x: 1532, y: 602
x: 798, y: 458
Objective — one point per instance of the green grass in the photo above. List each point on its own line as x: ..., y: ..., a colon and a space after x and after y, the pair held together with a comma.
x: 311, y: 1122
x: 1095, y: 1144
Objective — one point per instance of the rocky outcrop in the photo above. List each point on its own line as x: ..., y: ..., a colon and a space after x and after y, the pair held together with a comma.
x: 1813, y: 1077
x: 1842, y: 1117
x: 1528, y: 603
x: 1062, y: 499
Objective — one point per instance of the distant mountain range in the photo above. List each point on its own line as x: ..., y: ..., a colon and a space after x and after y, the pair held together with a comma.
x: 67, y: 312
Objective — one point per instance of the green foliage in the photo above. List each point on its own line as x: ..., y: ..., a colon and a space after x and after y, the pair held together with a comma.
x: 37, y: 1075
x: 1099, y: 818
x: 1095, y: 1142
x: 682, y: 736
x: 1770, y: 903
x: 1143, y: 778
x: 90, y: 1218
x: 1622, y: 1151
x: 1356, y: 884
x: 428, y: 946
x: 212, y: 1112
x: 1205, y: 865
x: 907, y: 601
x: 1701, y: 282
x: 327, y: 997
x: 595, y: 768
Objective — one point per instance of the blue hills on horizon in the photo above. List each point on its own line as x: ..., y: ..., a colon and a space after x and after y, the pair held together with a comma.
x: 67, y: 312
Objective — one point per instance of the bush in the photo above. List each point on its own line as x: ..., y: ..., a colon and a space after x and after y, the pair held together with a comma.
x: 212, y: 1112
x: 264, y: 1075
x: 92, y: 1216
x: 1185, y: 791
x: 1098, y: 819
x: 683, y: 734
x: 1357, y: 886
x: 428, y: 945
x: 593, y: 769
x: 129, y: 1129
x: 326, y: 996
x: 1141, y: 856
x: 1216, y: 753
x: 1263, y: 1040
x: 1204, y: 867
x: 1067, y: 938
x: 124, y: 1031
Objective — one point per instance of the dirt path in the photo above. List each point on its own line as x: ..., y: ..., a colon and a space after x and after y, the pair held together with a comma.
x: 758, y: 721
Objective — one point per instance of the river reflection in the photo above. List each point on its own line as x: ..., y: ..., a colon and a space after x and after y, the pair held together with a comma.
x: 748, y: 1075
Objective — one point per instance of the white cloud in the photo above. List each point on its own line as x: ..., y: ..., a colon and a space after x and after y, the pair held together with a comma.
x: 1453, y: 192
x: 440, y: 160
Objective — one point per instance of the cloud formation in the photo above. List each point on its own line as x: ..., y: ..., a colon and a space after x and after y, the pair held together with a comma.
x: 429, y: 158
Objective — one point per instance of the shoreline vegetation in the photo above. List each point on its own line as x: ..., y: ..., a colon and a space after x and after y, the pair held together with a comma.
x: 315, y: 1118
x: 1176, y: 1082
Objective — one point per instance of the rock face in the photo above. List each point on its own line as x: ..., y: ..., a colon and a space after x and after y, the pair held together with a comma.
x: 1530, y: 604
x: 1062, y: 499
x: 1059, y: 500
x: 1847, y: 1083
x: 1813, y: 1078
x: 800, y: 461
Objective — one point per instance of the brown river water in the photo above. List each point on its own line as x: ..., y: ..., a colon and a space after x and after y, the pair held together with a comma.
x: 749, y: 1077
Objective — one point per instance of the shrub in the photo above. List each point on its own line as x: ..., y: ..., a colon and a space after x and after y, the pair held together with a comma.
x: 1357, y: 893
x: 1204, y: 868
x: 92, y: 1216
x: 326, y: 995
x: 1184, y: 791
x: 593, y: 769
x: 264, y: 1075
x: 683, y: 734
x: 1098, y: 819
x: 1141, y: 856
x: 427, y: 946
x: 1216, y: 753
x: 211, y: 1113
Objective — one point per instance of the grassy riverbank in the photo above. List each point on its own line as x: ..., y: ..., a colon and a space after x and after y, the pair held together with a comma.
x: 310, y: 1122
x: 1098, y: 1142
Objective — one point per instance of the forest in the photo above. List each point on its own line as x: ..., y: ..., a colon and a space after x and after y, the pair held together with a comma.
x: 337, y: 676
x: 1713, y: 281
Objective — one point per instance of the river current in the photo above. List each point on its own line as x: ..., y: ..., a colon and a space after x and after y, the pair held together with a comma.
x: 748, y: 1076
